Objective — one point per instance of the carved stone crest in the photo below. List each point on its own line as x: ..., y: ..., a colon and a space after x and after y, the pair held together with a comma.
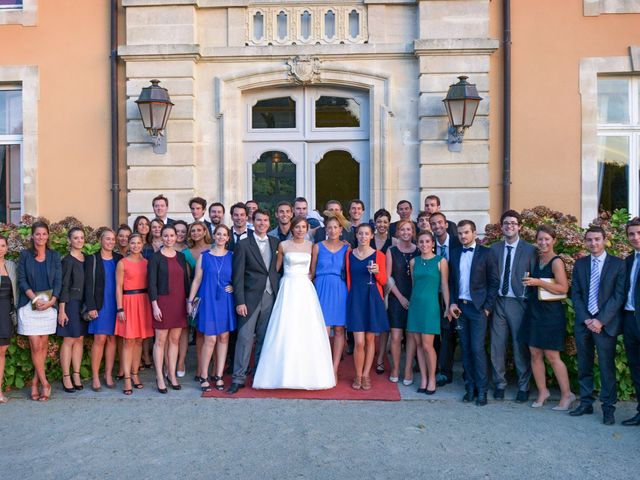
x: 304, y: 69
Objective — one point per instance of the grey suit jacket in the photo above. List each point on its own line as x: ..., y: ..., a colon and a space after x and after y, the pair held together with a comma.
x: 524, y: 261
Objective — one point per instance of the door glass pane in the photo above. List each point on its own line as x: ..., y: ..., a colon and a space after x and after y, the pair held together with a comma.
x: 15, y: 183
x: 332, y: 112
x: 274, y: 180
x: 613, y: 173
x: 613, y: 100
x: 337, y: 178
x: 10, y: 112
x: 274, y: 113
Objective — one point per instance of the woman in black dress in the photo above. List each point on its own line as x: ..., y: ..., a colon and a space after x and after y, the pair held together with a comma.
x: 544, y: 325
x: 8, y: 295
x: 70, y: 326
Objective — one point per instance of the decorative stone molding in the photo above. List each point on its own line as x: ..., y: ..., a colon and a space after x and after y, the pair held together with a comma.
x: 593, y: 8
x: 304, y: 70
x: 306, y: 25
x: 590, y: 68
x: 26, y: 15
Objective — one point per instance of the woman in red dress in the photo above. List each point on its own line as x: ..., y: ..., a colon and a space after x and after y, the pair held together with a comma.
x: 168, y: 290
x: 134, y: 311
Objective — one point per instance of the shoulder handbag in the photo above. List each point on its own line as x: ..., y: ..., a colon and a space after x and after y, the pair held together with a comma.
x: 546, y: 296
x: 84, y: 312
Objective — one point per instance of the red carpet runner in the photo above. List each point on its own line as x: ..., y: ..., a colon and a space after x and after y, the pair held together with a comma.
x: 382, y: 389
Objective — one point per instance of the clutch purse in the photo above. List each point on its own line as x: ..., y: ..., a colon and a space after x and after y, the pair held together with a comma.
x: 43, y: 296
x: 546, y: 296
x: 194, y: 312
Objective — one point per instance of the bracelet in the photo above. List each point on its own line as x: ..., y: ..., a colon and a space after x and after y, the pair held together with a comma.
x: 120, y: 310
x: 189, y: 302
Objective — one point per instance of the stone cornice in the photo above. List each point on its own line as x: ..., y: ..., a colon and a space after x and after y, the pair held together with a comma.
x: 250, y: 53
x: 456, y: 46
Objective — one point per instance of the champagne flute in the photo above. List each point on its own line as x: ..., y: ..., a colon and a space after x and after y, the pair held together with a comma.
x: 524, y: 290
x: 369, y: 267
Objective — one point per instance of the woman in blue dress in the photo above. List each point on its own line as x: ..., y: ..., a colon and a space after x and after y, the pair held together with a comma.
x: 100, y: 301
x: 366, y: 315
x: 216, y: 313
x: 327, y: 266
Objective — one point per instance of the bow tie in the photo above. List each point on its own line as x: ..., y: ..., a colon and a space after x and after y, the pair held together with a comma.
x: 469, y: 249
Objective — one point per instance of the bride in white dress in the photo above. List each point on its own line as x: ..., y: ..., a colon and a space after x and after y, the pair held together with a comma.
x: 296, y: 353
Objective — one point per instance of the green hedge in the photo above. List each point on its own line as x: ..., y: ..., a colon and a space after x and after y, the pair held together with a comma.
x: 570, y: 247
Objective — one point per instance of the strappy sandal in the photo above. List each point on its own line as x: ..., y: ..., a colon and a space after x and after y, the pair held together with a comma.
x: 380, y: 368
x: 357, y: 383
x: 217, y: 379
x: 137, y: 386
x: 366, y: 383
x: 45, y: 396
x: 35, y: 394
x: 79, y: 385
x: 203, y: 387
x: 127, y: 391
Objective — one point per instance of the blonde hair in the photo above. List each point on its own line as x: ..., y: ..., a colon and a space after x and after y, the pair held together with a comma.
x: 344, y: 223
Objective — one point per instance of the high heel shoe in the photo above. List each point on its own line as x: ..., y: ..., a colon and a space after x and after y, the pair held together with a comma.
x: 46, y: 394
x: 559, y: 408
x: 127, y: 391
x: 67, y: 389
x: 136, y: 385
x: 174, y: 387
x: 77, y: 386
x: 217, y: 379
x: 203, y: 387
x: 537, y: 404
x: 161, y: 390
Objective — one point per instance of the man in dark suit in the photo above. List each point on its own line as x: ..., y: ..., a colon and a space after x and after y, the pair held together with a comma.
x: 160, y: 205
x: 216, y: 215
x: 473, y: 284
x: 198, y: 207
x: 446, y: 347
x: 597, y: 292
x: 432, y: 205
x: 239, y: 230
x: 631, y: 314
x: 255, y: 286
x: 404, y: 209
x: 515, y: 258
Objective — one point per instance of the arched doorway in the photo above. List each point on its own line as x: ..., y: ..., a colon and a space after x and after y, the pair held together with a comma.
x: 322, y: 137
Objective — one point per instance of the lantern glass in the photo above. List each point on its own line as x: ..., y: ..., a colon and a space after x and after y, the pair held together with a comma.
x: 455, y: 110
x: 471, y: 107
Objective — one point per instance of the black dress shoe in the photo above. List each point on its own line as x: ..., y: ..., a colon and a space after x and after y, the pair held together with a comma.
x: 234, y: 388
x: 481, y: 401
x: 442, y: 381
x: 469, y: 396
x: 422, y: 390
x: 498, y: 394
x: 608, y: 418
x: 632, y: 422
x: 522, y: 396
x: 581, y: 410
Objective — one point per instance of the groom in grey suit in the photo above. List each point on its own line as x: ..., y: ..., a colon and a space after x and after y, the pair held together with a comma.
x: 255, y: 285
x: 515, y: 257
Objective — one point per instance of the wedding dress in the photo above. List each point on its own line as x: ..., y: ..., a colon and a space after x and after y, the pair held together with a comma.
x: 296, y: 353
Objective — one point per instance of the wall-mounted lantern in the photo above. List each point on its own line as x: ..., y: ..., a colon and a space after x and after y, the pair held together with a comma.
x: 155, y: 106
x: 461, y: 102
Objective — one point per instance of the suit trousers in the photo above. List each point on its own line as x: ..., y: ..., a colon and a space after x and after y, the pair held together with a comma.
x: 472, y: 333
x: 447, y: 351
x: 587, y: 344
x: 507, y: 318
x: 632, y: 347
x: 255, y: 324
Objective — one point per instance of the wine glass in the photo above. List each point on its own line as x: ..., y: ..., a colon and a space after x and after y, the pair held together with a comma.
x: 369, y: 267
x: 524, y: 290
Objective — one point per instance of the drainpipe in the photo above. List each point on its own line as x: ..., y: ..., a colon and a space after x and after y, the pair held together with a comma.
x: 115, y: 186
x: 506, y: 105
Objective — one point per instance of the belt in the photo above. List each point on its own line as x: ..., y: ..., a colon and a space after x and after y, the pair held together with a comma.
x: 133, y: 292
x: 464, y: 302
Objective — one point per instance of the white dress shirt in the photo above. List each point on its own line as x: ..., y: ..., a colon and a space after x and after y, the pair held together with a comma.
x: 629, y: 306
x: 464, y: 292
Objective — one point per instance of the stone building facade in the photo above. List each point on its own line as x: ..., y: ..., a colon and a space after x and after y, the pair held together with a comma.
x: 316, y: 99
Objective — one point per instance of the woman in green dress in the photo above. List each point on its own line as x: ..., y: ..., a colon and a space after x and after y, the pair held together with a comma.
x: 430, y: 274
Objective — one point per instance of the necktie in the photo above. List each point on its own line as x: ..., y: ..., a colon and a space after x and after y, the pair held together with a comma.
x: 236, y: 236
x: 507, y: 273
x: 634, y: 279
x: 593, y: 287
x: 443, y: 251
x: 469, y: 249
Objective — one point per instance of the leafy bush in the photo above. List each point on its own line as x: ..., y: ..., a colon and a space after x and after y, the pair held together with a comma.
x: 19, y: 369
x: 570, y: 247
